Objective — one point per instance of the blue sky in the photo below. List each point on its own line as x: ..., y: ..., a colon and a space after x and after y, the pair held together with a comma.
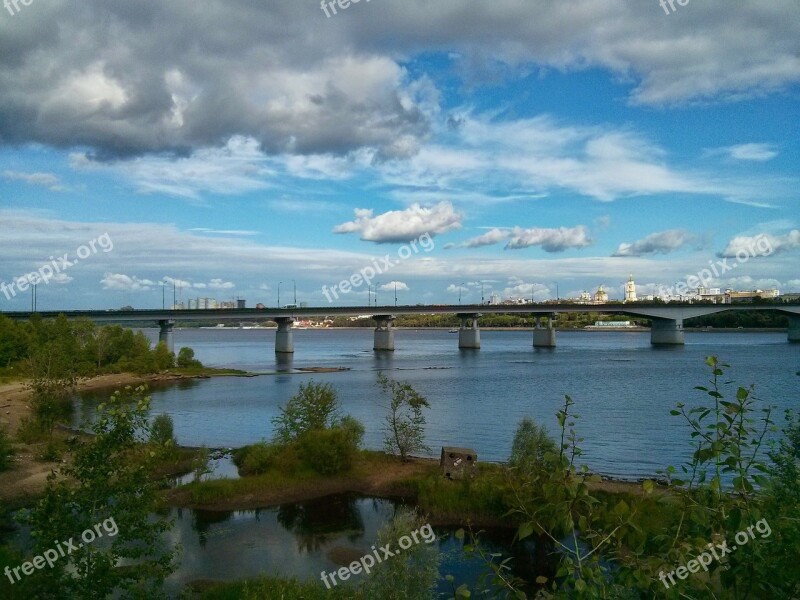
x: 232, y: 146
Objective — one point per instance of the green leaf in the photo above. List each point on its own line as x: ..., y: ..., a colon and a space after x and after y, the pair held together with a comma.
x: 525, y: 530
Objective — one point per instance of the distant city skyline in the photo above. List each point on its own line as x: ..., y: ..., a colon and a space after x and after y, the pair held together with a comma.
x: 542, y: 159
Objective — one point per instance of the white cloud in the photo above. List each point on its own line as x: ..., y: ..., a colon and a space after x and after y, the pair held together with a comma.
x: 762, y: 245
x: 402, y: 225
x: 551, y: 240
x: 390, y: 287
x: 748, y: 152
x: 125, y: 283
x: 48, y: 180
x: 662, y: 242
x: 493, y: 236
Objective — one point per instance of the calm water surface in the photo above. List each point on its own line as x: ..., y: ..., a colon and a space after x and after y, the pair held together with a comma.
x: 623, y: 387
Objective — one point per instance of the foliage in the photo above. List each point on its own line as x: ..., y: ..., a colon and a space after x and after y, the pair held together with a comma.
x: 354, y: 430
x: 328, y: 451
x: 410, y: 575
x: 106, y: 480
x: 186, y: 359
x: 201, y: 464
x: 531, y: 447
x: 77, y: 348
x: 162, y: 431
x: 405, y: 423
x: 6, y: 451
x: 314, y: 406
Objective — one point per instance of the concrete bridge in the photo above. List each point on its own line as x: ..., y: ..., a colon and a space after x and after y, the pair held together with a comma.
x: 666, y: 319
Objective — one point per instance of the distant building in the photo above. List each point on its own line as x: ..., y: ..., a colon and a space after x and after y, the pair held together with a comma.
x: 735, y: 297
x: 586, y: 298
x: 630, y: 290
x: 600, y: 296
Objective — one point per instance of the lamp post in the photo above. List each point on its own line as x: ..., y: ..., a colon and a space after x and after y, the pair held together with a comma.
x: 294, y: 284
x: 279, y: 293
x: 395, y: 293
x: 460, y: 287
x: 376, y: 293
x: 481, y: 293
x: 163, y: 295
x: 369, y: 294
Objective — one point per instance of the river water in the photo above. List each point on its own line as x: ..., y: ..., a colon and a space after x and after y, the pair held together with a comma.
x: 623, y: 387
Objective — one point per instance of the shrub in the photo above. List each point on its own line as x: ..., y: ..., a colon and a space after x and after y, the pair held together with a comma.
x: 314, y: 406
x: 186, y: 359
x: 6, y: 451
x: 328, y: 451
x: 162, y: 431
x: 530, y: 448
x: 259, y: 458
x: 354, y: 429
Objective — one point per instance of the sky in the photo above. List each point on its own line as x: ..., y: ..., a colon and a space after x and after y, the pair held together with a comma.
x: 526, y: 148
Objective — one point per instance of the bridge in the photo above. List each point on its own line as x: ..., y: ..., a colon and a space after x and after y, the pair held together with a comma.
x: 666, y: 319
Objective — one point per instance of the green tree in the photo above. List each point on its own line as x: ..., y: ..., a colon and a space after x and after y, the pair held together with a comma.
x: 186, y: 359
x: 314, y: 406
x: 405, y: 423
x: 532, y: 448
x: 162, y: 431
x: 108, y: 480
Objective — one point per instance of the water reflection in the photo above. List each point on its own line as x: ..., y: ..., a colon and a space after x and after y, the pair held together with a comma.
x: 305, y: 538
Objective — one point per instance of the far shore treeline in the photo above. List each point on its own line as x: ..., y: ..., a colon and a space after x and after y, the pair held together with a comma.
x: 79, y: 348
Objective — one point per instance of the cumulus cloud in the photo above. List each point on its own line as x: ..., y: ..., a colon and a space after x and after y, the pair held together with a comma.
x: 550, y: 240
x: 662, y: 242
x: 266, y: 70
x: 402, y: 225
x: 749, y: 152
x: 390, y: 287
x: 762, y: 245
x: 493, y: 236
x: 125, y: 283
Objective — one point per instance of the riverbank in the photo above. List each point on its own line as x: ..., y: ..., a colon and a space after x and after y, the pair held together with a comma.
x: 27, y: 477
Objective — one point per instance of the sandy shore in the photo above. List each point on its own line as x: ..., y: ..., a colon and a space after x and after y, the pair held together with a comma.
x: 28, y: 476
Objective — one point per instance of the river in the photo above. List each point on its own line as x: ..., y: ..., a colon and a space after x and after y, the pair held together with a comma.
x: 623, y: 387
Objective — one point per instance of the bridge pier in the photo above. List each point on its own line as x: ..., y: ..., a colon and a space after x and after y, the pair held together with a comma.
x: 384, y: 333
x: 166, y: 335
x: 469, y: 337
x: 666, y: 332
x: 794, y: 329
x: 284, y: 338
x: 544, y: 337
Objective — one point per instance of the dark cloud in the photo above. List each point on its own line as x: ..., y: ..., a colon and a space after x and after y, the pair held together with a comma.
x: 128, y: 78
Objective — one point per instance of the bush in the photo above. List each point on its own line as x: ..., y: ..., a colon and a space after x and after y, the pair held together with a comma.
x: 530, y: 447
x: 186, y: 359
x: 314, y: 406
x: 162, y: 431
x: 354, y: 429
x: 260, y: 458
x: 328, y: 451
x: 5, y: 451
